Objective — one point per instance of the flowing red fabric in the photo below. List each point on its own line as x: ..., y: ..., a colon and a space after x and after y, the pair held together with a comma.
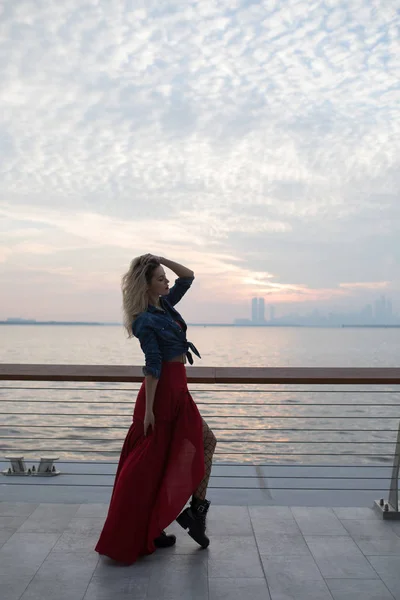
x: 156, y: 473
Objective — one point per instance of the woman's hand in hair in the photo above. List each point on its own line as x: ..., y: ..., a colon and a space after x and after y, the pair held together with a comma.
x: 147, y: 258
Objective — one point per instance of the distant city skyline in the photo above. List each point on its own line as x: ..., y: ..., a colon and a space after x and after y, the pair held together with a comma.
x: 380, y: 312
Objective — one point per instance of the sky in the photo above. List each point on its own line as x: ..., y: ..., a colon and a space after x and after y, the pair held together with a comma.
x: 256, y: 142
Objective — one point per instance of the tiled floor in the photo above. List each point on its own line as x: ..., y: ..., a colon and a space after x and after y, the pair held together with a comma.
x: 256, y: 552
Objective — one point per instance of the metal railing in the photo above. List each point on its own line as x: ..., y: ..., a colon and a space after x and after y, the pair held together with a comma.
x: 19, y: 437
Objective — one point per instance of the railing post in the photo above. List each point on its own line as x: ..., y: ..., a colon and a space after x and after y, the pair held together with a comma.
x: 390, y: 509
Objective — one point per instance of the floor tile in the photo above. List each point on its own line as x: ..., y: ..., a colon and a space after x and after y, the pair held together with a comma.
x: 290, y: 568
x: 12, y: 587
x: 25, y: 552
x: 363, y: 528
x: 12, y: 522
x: 387, y: 567
x: 354, y: 589
x: 332, y: 546
x: 355, y: 512
x: 62, y: 577
x: 71, y: 541
x: 270, y: 512
x: 274, y: 544
x: 162, y: 563
x: 85, y: 525
x: 92, y: 510
x: 290, y: 589
x: 393, y: 586
x: 312, y: 512
x: 230, y: 556
x: 343, y: 567
x: 229, y: 520
x: 395, y: 525
x: 179, y: 577
x: 238, y: 589
x: 339, y: 557
x: 318, y: 521
x: 46, y: 510
x: 20, y: 558
x: 17, y: 509
x: 371, y: 546
x: 51, y: 525
x: 294, y: 578
x: 188, y: 586
x: 49, y: 518
x: 247, y: 566
x: 287, y: 526
x: 118, y: 589
x: 5, y: 535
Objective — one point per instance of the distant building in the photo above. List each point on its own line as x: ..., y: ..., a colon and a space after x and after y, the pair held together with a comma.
x: 254, y: 310
x: 389, y: 310
x: 383, y: 310
x: 368, y: 312
x: 258, y: 311
x: 261, y: 310
x: 379, y: 309
x: 272, y: 313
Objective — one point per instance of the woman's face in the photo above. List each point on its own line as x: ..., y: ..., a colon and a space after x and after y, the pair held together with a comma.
x: 159, y: 283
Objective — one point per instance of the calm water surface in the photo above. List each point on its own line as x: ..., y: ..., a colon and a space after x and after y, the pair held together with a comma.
x: 292, y: 424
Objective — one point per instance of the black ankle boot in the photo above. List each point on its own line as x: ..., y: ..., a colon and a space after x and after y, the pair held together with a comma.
x: 164, y: 540
x: 193, y: 519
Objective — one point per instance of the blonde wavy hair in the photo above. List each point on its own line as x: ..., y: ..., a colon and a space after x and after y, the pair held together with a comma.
x: 134, y: 288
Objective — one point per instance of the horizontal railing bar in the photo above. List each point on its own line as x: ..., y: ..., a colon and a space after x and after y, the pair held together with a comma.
x: 108, y: 450
x: 262, y: 476
x: 302, y: 429
x: 220, y: 441
x: 244, y: 465
x: 295, y: 453
x: 299, y: 489
x: 231, y: 375
x: 212, y: 487
x: 131, y: 404
x: 208, y: 416
x: 194, y: 391
x: 265, y: 476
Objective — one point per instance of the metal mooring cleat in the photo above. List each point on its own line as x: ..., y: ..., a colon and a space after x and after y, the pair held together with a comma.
x: 18, y: 466
x: 46, y: 467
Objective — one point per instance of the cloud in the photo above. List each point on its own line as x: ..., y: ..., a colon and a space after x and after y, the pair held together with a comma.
x: 4, y: 253
x: 248, y: 137
x: 371, y: 285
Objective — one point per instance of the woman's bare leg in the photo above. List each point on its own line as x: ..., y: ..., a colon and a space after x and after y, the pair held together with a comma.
x: 210, y: 442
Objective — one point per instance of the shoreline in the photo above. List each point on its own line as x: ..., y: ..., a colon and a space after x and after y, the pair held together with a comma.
x: 297, y: 325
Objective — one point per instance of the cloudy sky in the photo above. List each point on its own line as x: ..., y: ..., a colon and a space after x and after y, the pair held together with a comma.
x: 258, y: 142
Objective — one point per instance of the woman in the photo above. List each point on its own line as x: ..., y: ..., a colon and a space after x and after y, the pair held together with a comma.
x: 167, y: 453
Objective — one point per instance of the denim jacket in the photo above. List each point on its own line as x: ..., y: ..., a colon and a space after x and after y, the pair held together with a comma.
x: 162, y: 332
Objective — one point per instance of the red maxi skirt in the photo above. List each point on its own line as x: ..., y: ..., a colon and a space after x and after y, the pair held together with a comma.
x: 156, y: 474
